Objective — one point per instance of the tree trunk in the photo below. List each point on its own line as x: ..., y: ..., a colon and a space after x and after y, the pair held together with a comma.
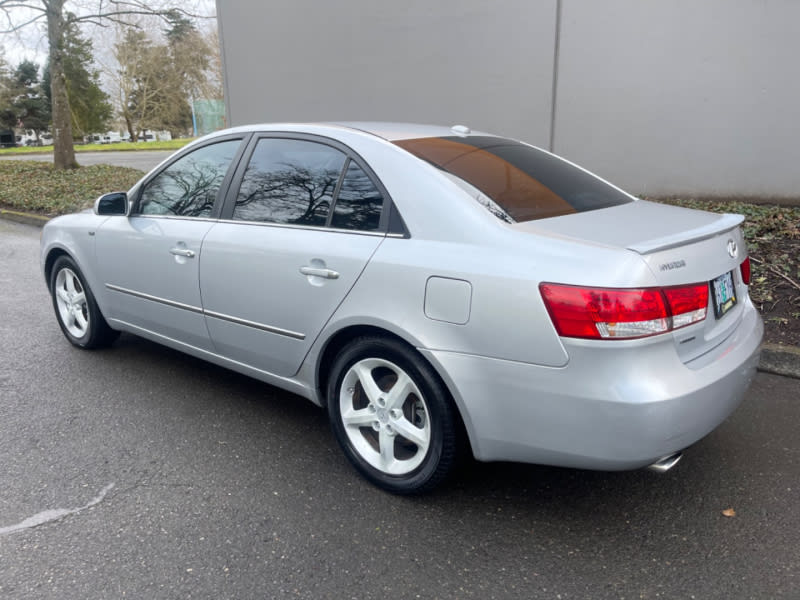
x: 63, y: 152
x: 131, y: 131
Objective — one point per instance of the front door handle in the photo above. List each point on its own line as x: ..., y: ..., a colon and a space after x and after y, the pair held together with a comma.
x: 317, y: 272
x: 182, y: 252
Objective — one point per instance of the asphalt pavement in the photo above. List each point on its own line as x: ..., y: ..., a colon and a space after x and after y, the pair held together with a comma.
x: 138, y: 472
x: 144, y: 160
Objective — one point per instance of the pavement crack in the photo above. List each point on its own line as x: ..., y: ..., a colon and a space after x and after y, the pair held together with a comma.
x: 48, y: 516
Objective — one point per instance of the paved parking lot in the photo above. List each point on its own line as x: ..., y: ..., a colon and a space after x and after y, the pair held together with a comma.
x: 144, y: 160
x: 137, y: 472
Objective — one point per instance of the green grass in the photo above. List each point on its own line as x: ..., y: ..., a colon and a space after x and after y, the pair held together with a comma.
x: 121, y: 146
x: 34, y: 186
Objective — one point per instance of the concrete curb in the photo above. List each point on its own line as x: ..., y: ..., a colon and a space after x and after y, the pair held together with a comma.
x: 22, y: 217
x: 779, y: 360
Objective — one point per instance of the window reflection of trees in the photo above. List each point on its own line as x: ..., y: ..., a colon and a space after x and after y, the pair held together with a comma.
x: 189, y: 187
x: 290, y: 194
x: 358, y: 205
x: 289, y: 181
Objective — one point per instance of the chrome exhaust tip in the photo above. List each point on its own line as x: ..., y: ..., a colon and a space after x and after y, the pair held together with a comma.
x: 664, y: 464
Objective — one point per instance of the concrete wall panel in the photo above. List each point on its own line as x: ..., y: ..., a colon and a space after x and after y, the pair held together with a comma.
x: 678, y: 97
x: 484, y: 64
x: 682, y: 97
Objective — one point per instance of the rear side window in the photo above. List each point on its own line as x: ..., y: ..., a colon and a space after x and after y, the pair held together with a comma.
x: 359, y: 202
x: 514, y: 181
x: 289, y: 181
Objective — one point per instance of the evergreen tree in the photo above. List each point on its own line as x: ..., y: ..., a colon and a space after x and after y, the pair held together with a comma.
x: 90, y: 107
x: 8, y: 116
x: 32, y: 109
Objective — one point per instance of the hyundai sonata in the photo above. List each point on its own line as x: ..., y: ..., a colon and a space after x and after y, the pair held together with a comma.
x: 432, y: 287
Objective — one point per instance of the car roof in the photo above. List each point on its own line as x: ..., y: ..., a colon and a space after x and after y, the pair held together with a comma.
x: 392, y: 131
x: 386, y: 130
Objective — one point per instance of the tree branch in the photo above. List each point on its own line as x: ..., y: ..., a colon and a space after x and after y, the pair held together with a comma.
x: 9, y: 4
x: 776, y: 272
x: 6, y: 8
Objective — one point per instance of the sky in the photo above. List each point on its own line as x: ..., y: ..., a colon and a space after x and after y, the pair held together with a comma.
x: 31, y: 42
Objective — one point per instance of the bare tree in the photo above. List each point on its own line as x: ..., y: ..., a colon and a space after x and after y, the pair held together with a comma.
x: 141, y: 81
x: 19, y: 14
x: 212, y: 86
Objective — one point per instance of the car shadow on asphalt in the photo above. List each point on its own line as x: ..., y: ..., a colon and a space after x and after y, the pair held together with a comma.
x: 531, y: 489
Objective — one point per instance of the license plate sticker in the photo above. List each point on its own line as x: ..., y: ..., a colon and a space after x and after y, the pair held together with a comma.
x: 724, y: 294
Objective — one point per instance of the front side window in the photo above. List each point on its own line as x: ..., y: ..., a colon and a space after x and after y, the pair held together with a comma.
x: 189, y: 186
x: 514, y: 181
x: 289, y: 181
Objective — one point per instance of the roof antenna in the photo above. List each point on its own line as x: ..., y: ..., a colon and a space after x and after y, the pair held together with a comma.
x: 462, y: 130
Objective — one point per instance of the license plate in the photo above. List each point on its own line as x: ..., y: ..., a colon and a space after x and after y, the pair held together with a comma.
x: 724, y: 294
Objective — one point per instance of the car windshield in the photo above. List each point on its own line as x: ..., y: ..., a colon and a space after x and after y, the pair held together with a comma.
x: 514, y: 181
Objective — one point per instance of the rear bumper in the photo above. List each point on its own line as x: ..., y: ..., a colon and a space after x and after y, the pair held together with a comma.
x: 616, y: 408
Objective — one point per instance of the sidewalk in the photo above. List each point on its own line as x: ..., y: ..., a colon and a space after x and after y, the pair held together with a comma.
x: 780, y: 360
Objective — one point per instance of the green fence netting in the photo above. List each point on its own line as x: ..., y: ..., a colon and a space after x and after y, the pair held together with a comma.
x: 209, y: 116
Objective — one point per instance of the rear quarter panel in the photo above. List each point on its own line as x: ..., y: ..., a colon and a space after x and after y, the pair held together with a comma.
x: 507, y: 317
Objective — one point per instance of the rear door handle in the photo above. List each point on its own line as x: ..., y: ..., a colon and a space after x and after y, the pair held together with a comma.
x: 317, y: 272
x: 182, y: 252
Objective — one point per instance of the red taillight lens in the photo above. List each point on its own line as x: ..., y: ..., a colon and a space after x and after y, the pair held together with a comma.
x: 609, y: 313
x: 687, y: 304
x: 745, y: 268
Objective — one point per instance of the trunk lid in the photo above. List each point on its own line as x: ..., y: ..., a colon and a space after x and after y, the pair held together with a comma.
x: 642, y: 226
x: 680, y: 246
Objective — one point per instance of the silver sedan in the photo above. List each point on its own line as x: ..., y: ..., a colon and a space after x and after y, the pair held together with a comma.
x: 434, y: 288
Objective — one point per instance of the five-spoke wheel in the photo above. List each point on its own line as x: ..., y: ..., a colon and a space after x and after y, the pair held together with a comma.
x: 70, y: 299
x: 392, y: 415
x: 77, y: 312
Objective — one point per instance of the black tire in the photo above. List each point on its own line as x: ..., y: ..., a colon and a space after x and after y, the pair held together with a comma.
x: 417, y: 424
x: 76, y: 309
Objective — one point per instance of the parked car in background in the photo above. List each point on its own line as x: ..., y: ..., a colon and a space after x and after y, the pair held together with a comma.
x: 429, y: 286
x: 7, y: 139
x: 110, y: 137
x: 29, y: 137
x: 155, y: 136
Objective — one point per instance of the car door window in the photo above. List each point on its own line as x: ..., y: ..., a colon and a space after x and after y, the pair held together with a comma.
x: 289, y: 181
x: 189, y: 186
x: 358, y: 203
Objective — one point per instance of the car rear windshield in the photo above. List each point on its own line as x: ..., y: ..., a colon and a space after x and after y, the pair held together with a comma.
x: 514, y: 181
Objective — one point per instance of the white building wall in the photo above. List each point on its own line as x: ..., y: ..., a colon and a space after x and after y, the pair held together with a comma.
x: 678, y: 97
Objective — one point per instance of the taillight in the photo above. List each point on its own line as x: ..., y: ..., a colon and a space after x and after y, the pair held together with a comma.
x: 687, y: 303
x: 611, y: 313
x: 745, y: 268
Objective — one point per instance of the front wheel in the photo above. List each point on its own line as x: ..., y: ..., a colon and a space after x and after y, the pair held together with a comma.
x: 392, y: 415
x: 75, y: 307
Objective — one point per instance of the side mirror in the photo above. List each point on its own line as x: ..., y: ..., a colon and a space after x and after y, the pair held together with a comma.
x: 114, y: 204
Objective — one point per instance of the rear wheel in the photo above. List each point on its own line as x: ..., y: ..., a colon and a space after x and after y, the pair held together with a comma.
x: 75, y: 307
x: 392, y: 415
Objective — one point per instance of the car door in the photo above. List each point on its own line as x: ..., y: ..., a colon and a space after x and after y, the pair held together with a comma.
x: 149, y: 260
x: 300, y: 228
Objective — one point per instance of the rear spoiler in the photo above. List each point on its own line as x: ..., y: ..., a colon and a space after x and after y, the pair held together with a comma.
x: 724, y: 223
